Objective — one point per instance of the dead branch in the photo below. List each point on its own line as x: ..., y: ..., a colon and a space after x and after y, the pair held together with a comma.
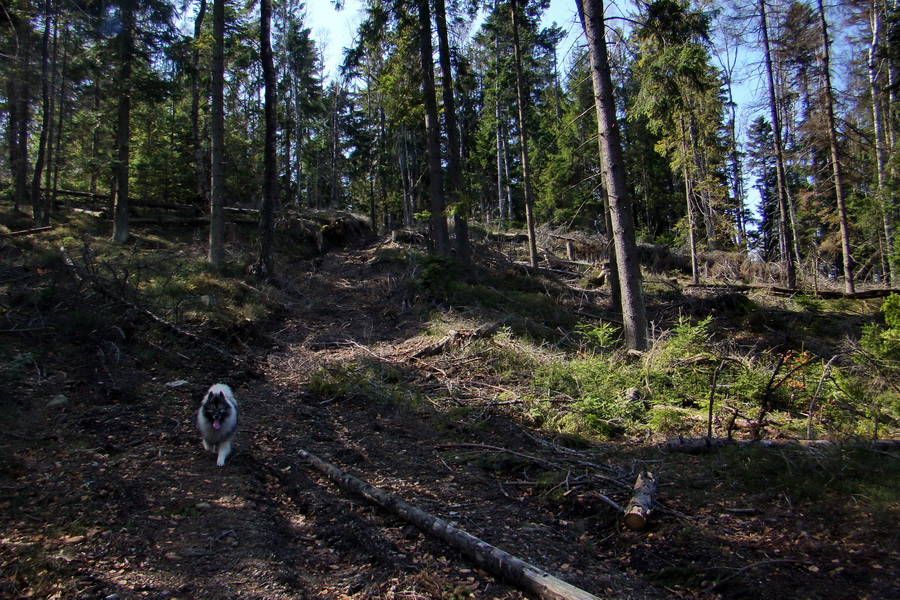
x: 94, y: 282
x: 547, y: 464
x: 490, y: 558
x: 25, y: 232
x: 761, y: 563
x: 700, y: 445
x: 456, y: 338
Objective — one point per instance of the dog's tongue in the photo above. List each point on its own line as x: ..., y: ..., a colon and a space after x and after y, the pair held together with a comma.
x: 216, y: 424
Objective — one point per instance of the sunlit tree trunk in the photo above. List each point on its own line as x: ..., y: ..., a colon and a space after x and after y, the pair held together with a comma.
x: 837, y: 171
x: 439, y: 232
x: 787, y: 255
x: 634, y: 313
x: 454, y: 158
x: 523, y: 136
x: 875, y: 87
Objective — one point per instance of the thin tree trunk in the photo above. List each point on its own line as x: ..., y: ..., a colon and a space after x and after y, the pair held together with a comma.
x: 37, y: 203
x: 405, y: 179
x: 201, y: 172
x: 265, y: 266
x: 781, y: 181
x: 634, y: 313
x: 217, y: 137
x: 835, y: 153
x: 61, y: 109
x: 507, y: 177
x: 692, y: 225
x: 439, y: 232
x: 523, y: 135
x: 875, y: 87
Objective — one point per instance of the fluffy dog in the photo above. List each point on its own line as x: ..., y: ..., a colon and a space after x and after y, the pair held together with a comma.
x: 217, y: 420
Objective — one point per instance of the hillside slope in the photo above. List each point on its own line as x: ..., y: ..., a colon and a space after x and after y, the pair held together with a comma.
x: 105, y: 491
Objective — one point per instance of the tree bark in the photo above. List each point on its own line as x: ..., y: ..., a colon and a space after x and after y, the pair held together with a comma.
x: 787, y: 255
x: 485, y: 556
x: 123, y: 131
x: 454, y: 159
x: 836, y: 169
x: 877, y: 92
x: 439, y: 232
x: 200, y: 169
x: 37, y: 203
x: 634, y: 313
x: 265, y: 265
x: 217, y: 131
x: 18, y: 120
x: 523, y: 135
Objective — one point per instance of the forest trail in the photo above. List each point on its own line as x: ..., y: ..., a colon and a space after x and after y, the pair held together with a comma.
x: 118, y: 500
x: 108, y: 493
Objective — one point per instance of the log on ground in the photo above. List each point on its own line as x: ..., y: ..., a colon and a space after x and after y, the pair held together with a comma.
x: 494, y: 560
x: 638, y: 510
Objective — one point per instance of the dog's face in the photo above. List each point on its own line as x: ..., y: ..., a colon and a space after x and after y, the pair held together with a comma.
x: 216, y: 409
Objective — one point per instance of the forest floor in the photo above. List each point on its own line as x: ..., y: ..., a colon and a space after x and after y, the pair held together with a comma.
x: 106, y: 492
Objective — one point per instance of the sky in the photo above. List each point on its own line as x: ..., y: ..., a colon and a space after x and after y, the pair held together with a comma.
x: 333, y: 30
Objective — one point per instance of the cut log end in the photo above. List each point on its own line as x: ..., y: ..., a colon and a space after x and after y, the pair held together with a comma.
x: 637, y: 519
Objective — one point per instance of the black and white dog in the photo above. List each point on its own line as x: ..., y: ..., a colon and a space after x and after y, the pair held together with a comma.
x: 217, y: 420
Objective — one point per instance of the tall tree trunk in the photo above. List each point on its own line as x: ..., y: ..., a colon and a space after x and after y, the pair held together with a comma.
x: 787, y: 254
x: 265, y: 266
x: 201, y: 172
x: 523, y: 134
x: 123, y: 130
x: 61, y: 110
x: 454, y: 159
x: 875, y: 88
x: 634, y: 313
x: 439, y: 232
x: 37, y: 203
x: 217, y: 138
x: 836, y: 168
x: 737, y: 178
x: 18, y: 122
x: 501, y: 148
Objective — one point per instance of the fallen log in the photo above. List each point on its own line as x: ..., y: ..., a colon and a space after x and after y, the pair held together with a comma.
x: 638, y: 509
x: 494, y: 560
x: 26, y: 232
